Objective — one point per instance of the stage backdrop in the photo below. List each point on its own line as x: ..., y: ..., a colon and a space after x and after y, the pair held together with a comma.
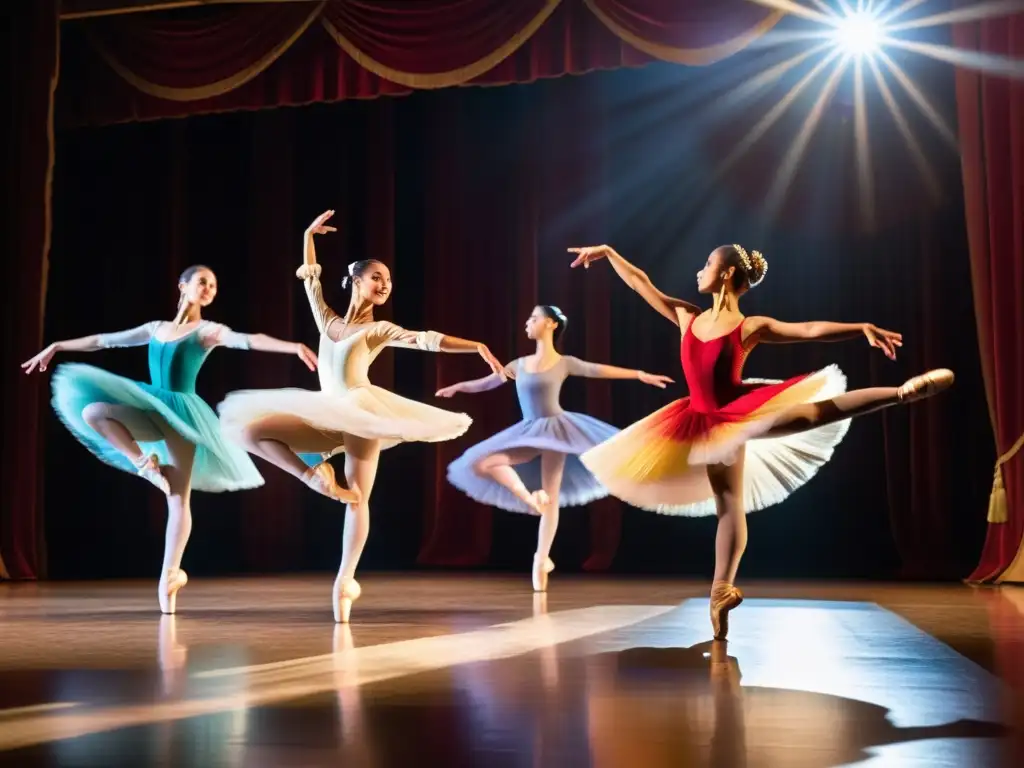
x: 472, y: 196
x: 477, y: 193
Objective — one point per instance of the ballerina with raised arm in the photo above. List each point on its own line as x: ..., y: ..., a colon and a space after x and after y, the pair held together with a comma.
x: 298, y: 430
x: 734, y: 445
x: 541, y: 451
x: 162, y: 431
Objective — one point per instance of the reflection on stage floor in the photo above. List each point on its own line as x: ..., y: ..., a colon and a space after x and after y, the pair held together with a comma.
x: 463, y: 671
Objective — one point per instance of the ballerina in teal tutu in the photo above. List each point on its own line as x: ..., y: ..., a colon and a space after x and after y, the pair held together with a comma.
x: 162, y: 431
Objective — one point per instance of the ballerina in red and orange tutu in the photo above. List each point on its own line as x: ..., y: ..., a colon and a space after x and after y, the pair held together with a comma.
x: 735, y: 445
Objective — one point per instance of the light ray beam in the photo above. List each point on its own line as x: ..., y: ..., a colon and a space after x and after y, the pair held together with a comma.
x: 772, y: 116
x: 988, y: 63
x: 989, y: 10
x: 920, y: 100
x: 795, y: 153
x: 917, y: 154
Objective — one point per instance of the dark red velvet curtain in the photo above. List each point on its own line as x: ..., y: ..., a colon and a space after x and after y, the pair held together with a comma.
x: 991, y: 117
x: 30, y: 44
x: 224, y: 58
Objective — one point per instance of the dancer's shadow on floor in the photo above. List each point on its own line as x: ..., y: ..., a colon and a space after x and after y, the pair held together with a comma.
x: 685, y: 706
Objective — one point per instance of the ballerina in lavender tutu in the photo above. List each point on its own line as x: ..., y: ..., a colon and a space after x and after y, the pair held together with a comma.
x: 541, y: 451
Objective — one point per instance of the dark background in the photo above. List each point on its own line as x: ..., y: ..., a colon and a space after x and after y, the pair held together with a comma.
x: 471, y: 195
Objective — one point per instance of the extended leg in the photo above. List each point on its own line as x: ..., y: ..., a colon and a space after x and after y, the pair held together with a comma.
x: 552, y: 465
x: 498, y: 467
x: 272, y: 438
x: 123, y: 427
x: 730, y: 541
x: 859, y: 402
x: 361, y: 457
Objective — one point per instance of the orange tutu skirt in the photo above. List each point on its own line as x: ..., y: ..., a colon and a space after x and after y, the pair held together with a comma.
x: 659, y: 463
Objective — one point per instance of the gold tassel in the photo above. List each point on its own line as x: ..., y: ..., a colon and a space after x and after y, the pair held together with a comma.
x: 998, y: 509
x: 997, y: 512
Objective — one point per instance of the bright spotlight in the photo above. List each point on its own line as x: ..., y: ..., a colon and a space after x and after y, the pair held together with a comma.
x: 859, y: 34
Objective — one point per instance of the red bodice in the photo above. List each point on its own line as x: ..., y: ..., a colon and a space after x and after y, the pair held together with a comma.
x: 713, y: 368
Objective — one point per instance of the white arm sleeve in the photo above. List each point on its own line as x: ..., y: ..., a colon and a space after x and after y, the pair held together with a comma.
x: 393, y: 335
x: 133, y: 337
x: 323, y: 314
x: 218, y: 335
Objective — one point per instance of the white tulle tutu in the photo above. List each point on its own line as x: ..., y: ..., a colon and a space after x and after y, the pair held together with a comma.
x: 368, y: 411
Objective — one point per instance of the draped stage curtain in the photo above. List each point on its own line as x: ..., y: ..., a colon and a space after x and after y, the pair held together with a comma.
x: 31, y: 43
x: 228, y: 57
x: 472, y: 196
x: 991, y: 117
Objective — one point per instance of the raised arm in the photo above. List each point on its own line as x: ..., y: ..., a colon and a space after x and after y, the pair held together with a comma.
x: 133, y: 337
x: 768, y: 330
x: 485, y: 384
x: 577, y: 367
x: 309, y: 273
x: 667, y: 306
x: 392, y: 335
x: 217, y: 335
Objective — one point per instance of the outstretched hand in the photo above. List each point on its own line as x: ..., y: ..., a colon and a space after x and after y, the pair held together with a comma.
x: 887, y: 341
x: 588, y: 254
x: 447, y: 391
x: 655, y: 379
x: 307, y: 355
x: 492, y: 361
x: 40, y: 361
x: 318, y: 227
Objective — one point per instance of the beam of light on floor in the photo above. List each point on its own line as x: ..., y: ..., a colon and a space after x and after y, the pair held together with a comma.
x: 263, y: 684
x: 791, y: 160
x: 34, y: 709
x: 924, y: 167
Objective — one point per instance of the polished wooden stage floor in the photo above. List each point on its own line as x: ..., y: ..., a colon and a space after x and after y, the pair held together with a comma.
x: 475, y: 670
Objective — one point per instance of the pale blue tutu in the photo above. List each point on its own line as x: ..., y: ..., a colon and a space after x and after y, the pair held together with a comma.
x: 568, y: 433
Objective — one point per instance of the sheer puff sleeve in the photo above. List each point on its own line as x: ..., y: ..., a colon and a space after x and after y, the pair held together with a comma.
x: 217, y: 335
x: 391, y: 335
x: 133, y: 337
x: 323, y: 314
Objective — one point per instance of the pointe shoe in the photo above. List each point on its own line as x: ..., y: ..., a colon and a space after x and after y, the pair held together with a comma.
x: 344, y: 595
x: 148, y: 468
x: 167, y: 591
x: 925, y: 385
x: 322, y: 480
x: 539, y: 500
x: 541, y: 569
x: 724, y: 597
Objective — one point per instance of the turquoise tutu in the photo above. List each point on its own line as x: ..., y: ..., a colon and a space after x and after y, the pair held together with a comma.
x: 218, y: 465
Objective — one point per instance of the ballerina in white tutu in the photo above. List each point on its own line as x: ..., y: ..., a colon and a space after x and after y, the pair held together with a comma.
x: 162, y: 430
x: 545, y: 446
x: 298, y: 430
